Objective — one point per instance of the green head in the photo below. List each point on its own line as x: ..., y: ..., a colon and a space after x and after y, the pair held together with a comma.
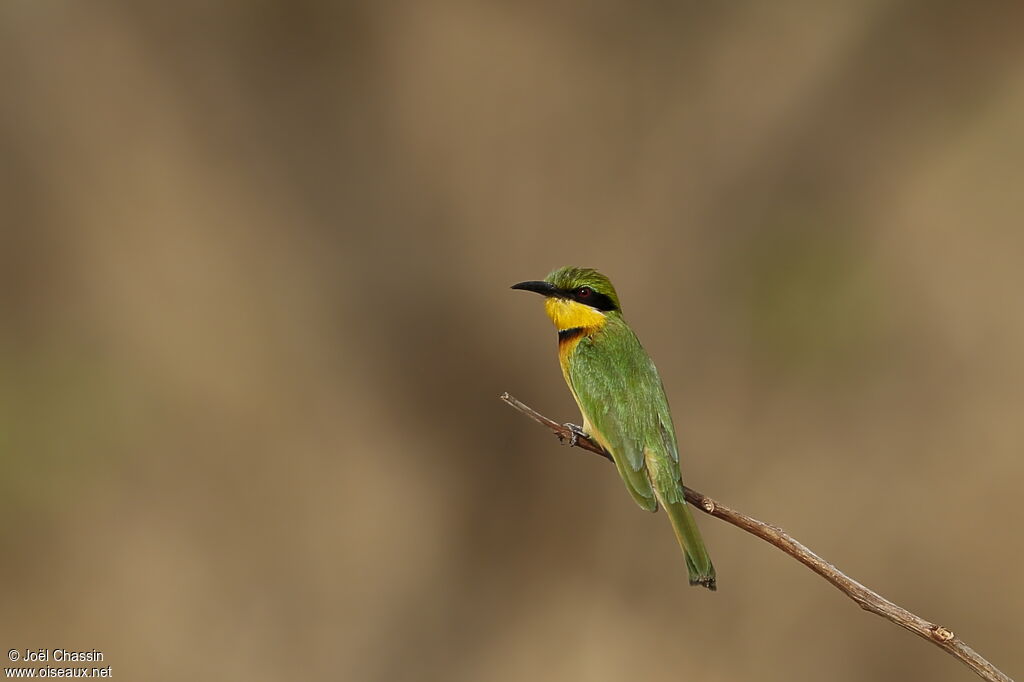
x: 576, y: 297
x: 582, y: 285
x: 579, y: 280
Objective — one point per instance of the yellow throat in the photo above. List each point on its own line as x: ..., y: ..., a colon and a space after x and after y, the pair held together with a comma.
x: 567, y: 314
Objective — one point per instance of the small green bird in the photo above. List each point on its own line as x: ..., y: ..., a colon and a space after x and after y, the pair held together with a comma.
x: 622, y: 399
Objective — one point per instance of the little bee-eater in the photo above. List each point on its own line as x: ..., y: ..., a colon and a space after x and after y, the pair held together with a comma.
x: 621, y: 398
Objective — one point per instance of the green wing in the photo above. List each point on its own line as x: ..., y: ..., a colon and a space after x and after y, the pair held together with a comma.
x: 622, y: 398
x: 620, y: 394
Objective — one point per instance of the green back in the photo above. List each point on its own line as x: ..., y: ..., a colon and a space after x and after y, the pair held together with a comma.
x: 621, y: 395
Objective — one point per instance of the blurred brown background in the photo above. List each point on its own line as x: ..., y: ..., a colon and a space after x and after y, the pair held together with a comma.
x: 256, y: 317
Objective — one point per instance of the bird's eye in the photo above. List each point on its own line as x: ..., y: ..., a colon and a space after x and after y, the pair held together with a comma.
x: 584, y: 292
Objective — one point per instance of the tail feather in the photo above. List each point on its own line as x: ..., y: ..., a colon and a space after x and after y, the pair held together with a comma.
x: 668, y: 488
x: 698, y: 562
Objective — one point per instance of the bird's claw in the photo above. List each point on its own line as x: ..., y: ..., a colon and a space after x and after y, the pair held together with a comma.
x: 576, y: 432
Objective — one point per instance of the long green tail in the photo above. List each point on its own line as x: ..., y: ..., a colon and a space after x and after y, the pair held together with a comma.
x: 697, y: 559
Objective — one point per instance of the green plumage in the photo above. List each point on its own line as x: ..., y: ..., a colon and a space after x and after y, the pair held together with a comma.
x: 621, y: 396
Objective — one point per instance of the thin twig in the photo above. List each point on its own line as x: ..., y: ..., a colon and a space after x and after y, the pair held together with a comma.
x: 867, y: 599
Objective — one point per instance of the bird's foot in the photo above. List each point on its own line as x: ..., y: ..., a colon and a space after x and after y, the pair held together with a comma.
x: 576, y: 432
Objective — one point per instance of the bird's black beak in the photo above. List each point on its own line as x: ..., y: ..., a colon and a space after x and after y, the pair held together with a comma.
x: 542, y: 288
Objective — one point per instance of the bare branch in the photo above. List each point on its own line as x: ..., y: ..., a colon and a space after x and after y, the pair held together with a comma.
x: 867, y: 599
